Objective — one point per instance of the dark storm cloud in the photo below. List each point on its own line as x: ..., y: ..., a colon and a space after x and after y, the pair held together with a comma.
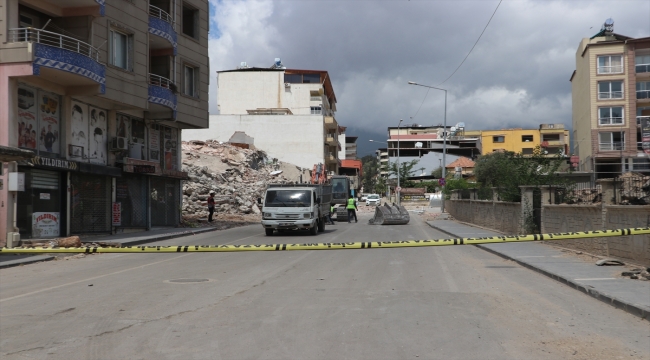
x: 517, y: 76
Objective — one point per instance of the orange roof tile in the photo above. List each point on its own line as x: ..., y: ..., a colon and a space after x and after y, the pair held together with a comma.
x: 462, y: 162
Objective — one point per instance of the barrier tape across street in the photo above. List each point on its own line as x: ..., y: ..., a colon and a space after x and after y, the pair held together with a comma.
x: 326, y: 246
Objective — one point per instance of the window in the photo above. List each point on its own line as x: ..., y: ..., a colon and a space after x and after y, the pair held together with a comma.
x: 610, y: 64
x: 642, y: 63
x: 643, y: 90
x: 611, y: 141
x: 190, y: 21
x: 498, y: 139
x: 190, y: 76
x: 526, y: 138
x: 316, y: 110
x: 610, y: 90
x: 551, y: 137
x: 610, y: 115
x: 527, y: 151
x: 119, y: 45
x: 26, y: 21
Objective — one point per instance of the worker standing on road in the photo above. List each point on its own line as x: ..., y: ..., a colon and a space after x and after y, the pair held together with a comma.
x: 329, y: 216
x: 211, y: 205
x: 352, y: 207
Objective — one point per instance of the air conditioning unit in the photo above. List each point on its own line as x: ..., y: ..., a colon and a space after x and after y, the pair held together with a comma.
x: 119, y: 144
x: 287, y: 85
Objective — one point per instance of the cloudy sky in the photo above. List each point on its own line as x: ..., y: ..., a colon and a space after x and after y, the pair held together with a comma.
x: 516, y: 76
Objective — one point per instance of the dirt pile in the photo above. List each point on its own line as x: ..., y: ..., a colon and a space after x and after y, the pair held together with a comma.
x: 238, y: 177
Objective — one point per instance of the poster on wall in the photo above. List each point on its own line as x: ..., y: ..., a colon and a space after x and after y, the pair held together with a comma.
x: 78, y: 131
x: 167, y: 143
x: 98, y: 136
x: 174, y: 149
x: 27, y: 122
x: 154, y: 143
x: 49, y: 122
x: 122, y: 132
x: 45, y: 224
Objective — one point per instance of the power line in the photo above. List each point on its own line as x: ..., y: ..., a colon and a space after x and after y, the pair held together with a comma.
x: 477, y: 40
x: 462, y: 62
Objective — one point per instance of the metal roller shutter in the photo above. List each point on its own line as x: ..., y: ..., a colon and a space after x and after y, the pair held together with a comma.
x: 90, y: 203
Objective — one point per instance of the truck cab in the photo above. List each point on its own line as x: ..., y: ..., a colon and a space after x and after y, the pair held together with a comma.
x: 295, y: 207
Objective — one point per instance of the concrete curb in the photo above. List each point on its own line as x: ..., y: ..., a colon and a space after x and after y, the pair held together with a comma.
x: 25, y: 261
x: 143, y: 240
x: 606, y: 298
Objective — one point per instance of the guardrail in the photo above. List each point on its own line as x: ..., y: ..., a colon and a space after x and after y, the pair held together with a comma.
x: 615, y: 146
x: 53, y: 39
x: 642, y: 68
x: 158, y: 80
x: 160, y: 14
x: 643, y: 94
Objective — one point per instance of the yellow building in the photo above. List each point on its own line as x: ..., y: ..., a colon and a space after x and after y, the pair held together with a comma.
x: 553, y: 138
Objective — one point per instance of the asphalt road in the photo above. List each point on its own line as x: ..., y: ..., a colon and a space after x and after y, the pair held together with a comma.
x: 456, y: 302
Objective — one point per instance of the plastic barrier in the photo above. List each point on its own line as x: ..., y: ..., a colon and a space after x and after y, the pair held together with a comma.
x: 329, y: 246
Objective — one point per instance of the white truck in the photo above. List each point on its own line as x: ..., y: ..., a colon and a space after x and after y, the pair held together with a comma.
x: 295, y: 207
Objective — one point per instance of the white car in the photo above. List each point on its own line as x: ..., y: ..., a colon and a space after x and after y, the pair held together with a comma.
x: 373, y: 199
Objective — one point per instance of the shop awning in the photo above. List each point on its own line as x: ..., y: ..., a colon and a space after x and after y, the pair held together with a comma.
x: 10, y: 153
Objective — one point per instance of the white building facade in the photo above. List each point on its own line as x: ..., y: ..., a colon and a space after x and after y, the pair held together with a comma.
x: 288, y: 113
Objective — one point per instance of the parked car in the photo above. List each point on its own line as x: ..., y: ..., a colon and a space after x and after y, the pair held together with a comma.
x: 363, y: 197
x: 373, y: 199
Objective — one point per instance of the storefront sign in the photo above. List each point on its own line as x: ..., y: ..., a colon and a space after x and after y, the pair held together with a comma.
x: 645, y: 135
x: 144, y: 169
x: 415, y: 197
x: 45, y: 224
x: 130, y: 165
x: 55, y: 163
x: 117, y: 214
x: 175, y: 174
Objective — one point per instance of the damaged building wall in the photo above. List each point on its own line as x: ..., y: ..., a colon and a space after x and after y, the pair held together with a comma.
x: 296, y: 139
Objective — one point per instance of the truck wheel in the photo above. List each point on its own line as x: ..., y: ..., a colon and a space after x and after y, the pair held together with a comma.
x: 269, y: 232
x: 321, y: 225
x: 314, y: 229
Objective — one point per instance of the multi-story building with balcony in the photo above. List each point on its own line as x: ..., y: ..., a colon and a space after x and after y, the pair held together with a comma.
x: 100, y: 92
x: 413, y: 140
x: 382, y: 159
x: 288, y: 113
x: 611, y: 103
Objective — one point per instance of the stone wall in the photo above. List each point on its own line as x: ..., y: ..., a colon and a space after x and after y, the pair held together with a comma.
x: 568, y: 218
x: 634, y: 248
x: 499, y: 215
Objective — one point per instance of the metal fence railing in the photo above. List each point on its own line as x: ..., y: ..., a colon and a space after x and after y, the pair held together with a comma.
x: 53, y: 39
x: 158, y: 80
x: 160, y: 14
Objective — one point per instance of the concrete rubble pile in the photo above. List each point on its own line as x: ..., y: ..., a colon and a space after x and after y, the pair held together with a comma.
x: 238, y: 177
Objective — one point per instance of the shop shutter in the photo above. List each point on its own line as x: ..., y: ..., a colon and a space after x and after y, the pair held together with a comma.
x: 132, y: 194
x: 165, y: 202
x: 43, y: 179
x: 90, y: 203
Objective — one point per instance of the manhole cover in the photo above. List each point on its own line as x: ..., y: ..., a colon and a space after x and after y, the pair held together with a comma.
x: 187, y: 281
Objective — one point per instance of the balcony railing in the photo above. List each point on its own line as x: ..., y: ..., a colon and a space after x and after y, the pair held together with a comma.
x: 641, y: 119
x: 642, y: 94
x: 163, y: 82
x: 642, y: 68
x: 615, y: 146
x: 610, y: 95
x: 53, y: 39
x: 610, y: 121
x: 614, y: 69
x: 160, y: 14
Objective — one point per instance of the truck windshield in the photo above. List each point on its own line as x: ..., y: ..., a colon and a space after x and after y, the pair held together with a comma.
x: 288, y: 198
x: 339, y: 188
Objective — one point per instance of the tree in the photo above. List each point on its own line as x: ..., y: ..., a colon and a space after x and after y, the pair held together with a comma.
x: 405, y: 170
x: 437, y: 172
x: 506, y: 171
x: 370, y: 171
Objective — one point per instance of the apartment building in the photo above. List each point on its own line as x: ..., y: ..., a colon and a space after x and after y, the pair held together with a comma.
x: 382, y: 159
x: 100, y: 92
x: 552, y: 138
x: 413, y: 140
x: 288, y: 113
x: 611, y: 103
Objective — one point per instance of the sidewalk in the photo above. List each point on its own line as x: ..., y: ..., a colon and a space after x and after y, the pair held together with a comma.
x: 128, y: 239
x: 599, y: 282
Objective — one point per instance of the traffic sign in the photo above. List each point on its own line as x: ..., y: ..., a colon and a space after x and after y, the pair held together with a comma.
x: 441, y: 182
x: 398, y: 189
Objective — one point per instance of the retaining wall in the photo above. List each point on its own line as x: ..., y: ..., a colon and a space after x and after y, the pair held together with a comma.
x: 499, y: 215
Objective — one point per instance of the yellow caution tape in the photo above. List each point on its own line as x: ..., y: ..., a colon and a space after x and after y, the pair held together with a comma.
x: 327, y: 246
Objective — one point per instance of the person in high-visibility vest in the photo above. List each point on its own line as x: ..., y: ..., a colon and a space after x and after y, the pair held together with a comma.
x: 352, y: 207
x: 329, y: 216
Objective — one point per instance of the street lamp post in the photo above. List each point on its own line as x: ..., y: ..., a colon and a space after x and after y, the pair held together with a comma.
x: 399, y: 190
x: 444, y: 137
